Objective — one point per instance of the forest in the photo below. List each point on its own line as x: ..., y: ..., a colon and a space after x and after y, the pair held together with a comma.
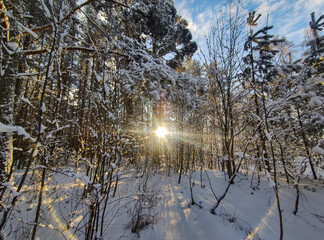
x: 111, y: 127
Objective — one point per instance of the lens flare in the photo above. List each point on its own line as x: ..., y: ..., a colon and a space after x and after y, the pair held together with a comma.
x: 161, y: 132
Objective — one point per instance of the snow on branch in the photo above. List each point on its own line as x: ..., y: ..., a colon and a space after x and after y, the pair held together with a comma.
x: 84, y: 49
x: 68, y: 16
x: 17, y: 129
x: 318, y: 149
x: 10, y: 186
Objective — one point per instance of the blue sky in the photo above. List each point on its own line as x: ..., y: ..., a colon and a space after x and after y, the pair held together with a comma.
x: 290, y: 18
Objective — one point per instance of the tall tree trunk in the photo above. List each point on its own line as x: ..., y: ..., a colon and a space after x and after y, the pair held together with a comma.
x: 40, y: 199
x: 309, y: 156
x: 7, y: 93
x: 181, y: 153
x: 7, y: 86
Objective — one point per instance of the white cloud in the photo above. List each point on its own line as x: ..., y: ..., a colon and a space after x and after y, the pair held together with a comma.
x: 295, y: 22
x: 186, y: 13
x: 204, y: 21
x: 308, y: 7
x: 297, y: 36
x: 270, y: 7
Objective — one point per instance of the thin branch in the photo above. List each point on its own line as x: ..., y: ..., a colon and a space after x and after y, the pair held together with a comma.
x: 49, y: 26
x: 211, y: 187
x: 84, y: 49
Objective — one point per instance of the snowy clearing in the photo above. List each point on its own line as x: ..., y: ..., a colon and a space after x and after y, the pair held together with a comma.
x: 166, y: 210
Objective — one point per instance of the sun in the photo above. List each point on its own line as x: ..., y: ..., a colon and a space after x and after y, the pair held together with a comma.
x: 161, y: 132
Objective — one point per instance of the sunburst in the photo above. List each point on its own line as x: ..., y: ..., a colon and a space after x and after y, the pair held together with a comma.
x: 161, y: 132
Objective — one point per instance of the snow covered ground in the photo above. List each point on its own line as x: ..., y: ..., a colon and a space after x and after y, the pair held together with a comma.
x: 244, y: 214
x: 164, y: 206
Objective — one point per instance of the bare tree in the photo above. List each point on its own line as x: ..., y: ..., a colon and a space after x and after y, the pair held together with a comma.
x: 222, y: 63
